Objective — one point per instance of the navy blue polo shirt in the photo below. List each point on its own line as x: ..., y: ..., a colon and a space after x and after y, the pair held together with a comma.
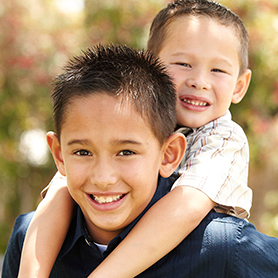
x: 221, y: 246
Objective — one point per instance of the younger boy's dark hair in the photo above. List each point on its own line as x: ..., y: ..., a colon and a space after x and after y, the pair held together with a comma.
x: 159, y: 30
x: 122, y: 72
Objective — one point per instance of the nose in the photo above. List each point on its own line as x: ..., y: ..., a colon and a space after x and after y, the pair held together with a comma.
x: 104, y: 173
x: 198, y: 80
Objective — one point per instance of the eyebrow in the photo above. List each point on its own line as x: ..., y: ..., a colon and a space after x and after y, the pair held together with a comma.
x: 116, y: 142
x: 179, y: 54
x: 79, y: 141
x: 217, y: 59
x: 125, y: 142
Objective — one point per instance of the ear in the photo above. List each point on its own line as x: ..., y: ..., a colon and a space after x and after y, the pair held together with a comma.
x: 241, y: 86
x: 173, y: 152
x: 54, y: 145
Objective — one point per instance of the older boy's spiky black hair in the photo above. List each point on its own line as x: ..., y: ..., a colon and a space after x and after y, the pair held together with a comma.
x: 119, y: 71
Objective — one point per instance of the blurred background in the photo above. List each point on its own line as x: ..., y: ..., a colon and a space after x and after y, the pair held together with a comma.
x: 38, y: 37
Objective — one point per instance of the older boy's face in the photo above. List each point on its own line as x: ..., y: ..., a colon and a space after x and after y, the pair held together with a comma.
x: 111, y: 160
x: 203, y: 59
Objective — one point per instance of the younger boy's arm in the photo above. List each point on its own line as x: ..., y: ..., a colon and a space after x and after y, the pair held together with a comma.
x: 159, y: 231
x: 47, y: 231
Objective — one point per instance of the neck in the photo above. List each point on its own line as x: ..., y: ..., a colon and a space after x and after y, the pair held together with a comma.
x: 99, y: 235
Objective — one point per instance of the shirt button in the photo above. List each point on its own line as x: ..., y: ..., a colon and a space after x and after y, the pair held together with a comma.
x: 87, y: 242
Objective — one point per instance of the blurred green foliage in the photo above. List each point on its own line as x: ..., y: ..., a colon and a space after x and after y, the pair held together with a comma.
x: 36, y: 38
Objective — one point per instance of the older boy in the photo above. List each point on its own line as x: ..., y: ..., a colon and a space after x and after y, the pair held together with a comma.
x: 116, y: 156
x: 113, y: 140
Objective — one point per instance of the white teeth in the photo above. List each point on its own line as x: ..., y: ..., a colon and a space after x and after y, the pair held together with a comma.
x: 195, y: 102
x: 109, y: 200
x: 104, y: 200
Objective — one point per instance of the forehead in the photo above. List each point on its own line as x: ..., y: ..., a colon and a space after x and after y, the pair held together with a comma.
x: 201, y: 33
x: 102, y: 114
x: 194, y: 25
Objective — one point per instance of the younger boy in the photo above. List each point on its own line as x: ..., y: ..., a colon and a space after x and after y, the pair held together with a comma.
x: 205, y: 46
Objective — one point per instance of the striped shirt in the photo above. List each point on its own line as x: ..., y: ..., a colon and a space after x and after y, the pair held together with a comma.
x: 216, y: 162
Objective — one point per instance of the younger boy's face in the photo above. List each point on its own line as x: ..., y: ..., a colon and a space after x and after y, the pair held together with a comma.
x: 111, y: 159
x: 203, y: 60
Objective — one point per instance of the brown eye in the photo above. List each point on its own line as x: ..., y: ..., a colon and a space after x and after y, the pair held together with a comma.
x: 183, y: 65
x: 126, y: 152
x: 83, y: 153
x: 217, y: 70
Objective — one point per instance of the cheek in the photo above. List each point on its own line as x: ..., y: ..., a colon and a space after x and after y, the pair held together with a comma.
x: 223, y: 85
x: 143, y: 178
x: 142, y: 194
x: 175, y: 75
x: 76, y: 167
x: 76, y: 177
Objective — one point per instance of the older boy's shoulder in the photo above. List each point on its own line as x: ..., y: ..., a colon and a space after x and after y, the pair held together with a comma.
x: 21, y: 225
x: 222, y: 232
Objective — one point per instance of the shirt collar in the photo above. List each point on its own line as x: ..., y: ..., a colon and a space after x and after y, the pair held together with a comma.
x: 76, y: 231
x: 77, y: 228
x: 210, y: 125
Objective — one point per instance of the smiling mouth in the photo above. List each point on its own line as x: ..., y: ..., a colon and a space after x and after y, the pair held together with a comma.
x: 195, y: 102
x: 106, y: 199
